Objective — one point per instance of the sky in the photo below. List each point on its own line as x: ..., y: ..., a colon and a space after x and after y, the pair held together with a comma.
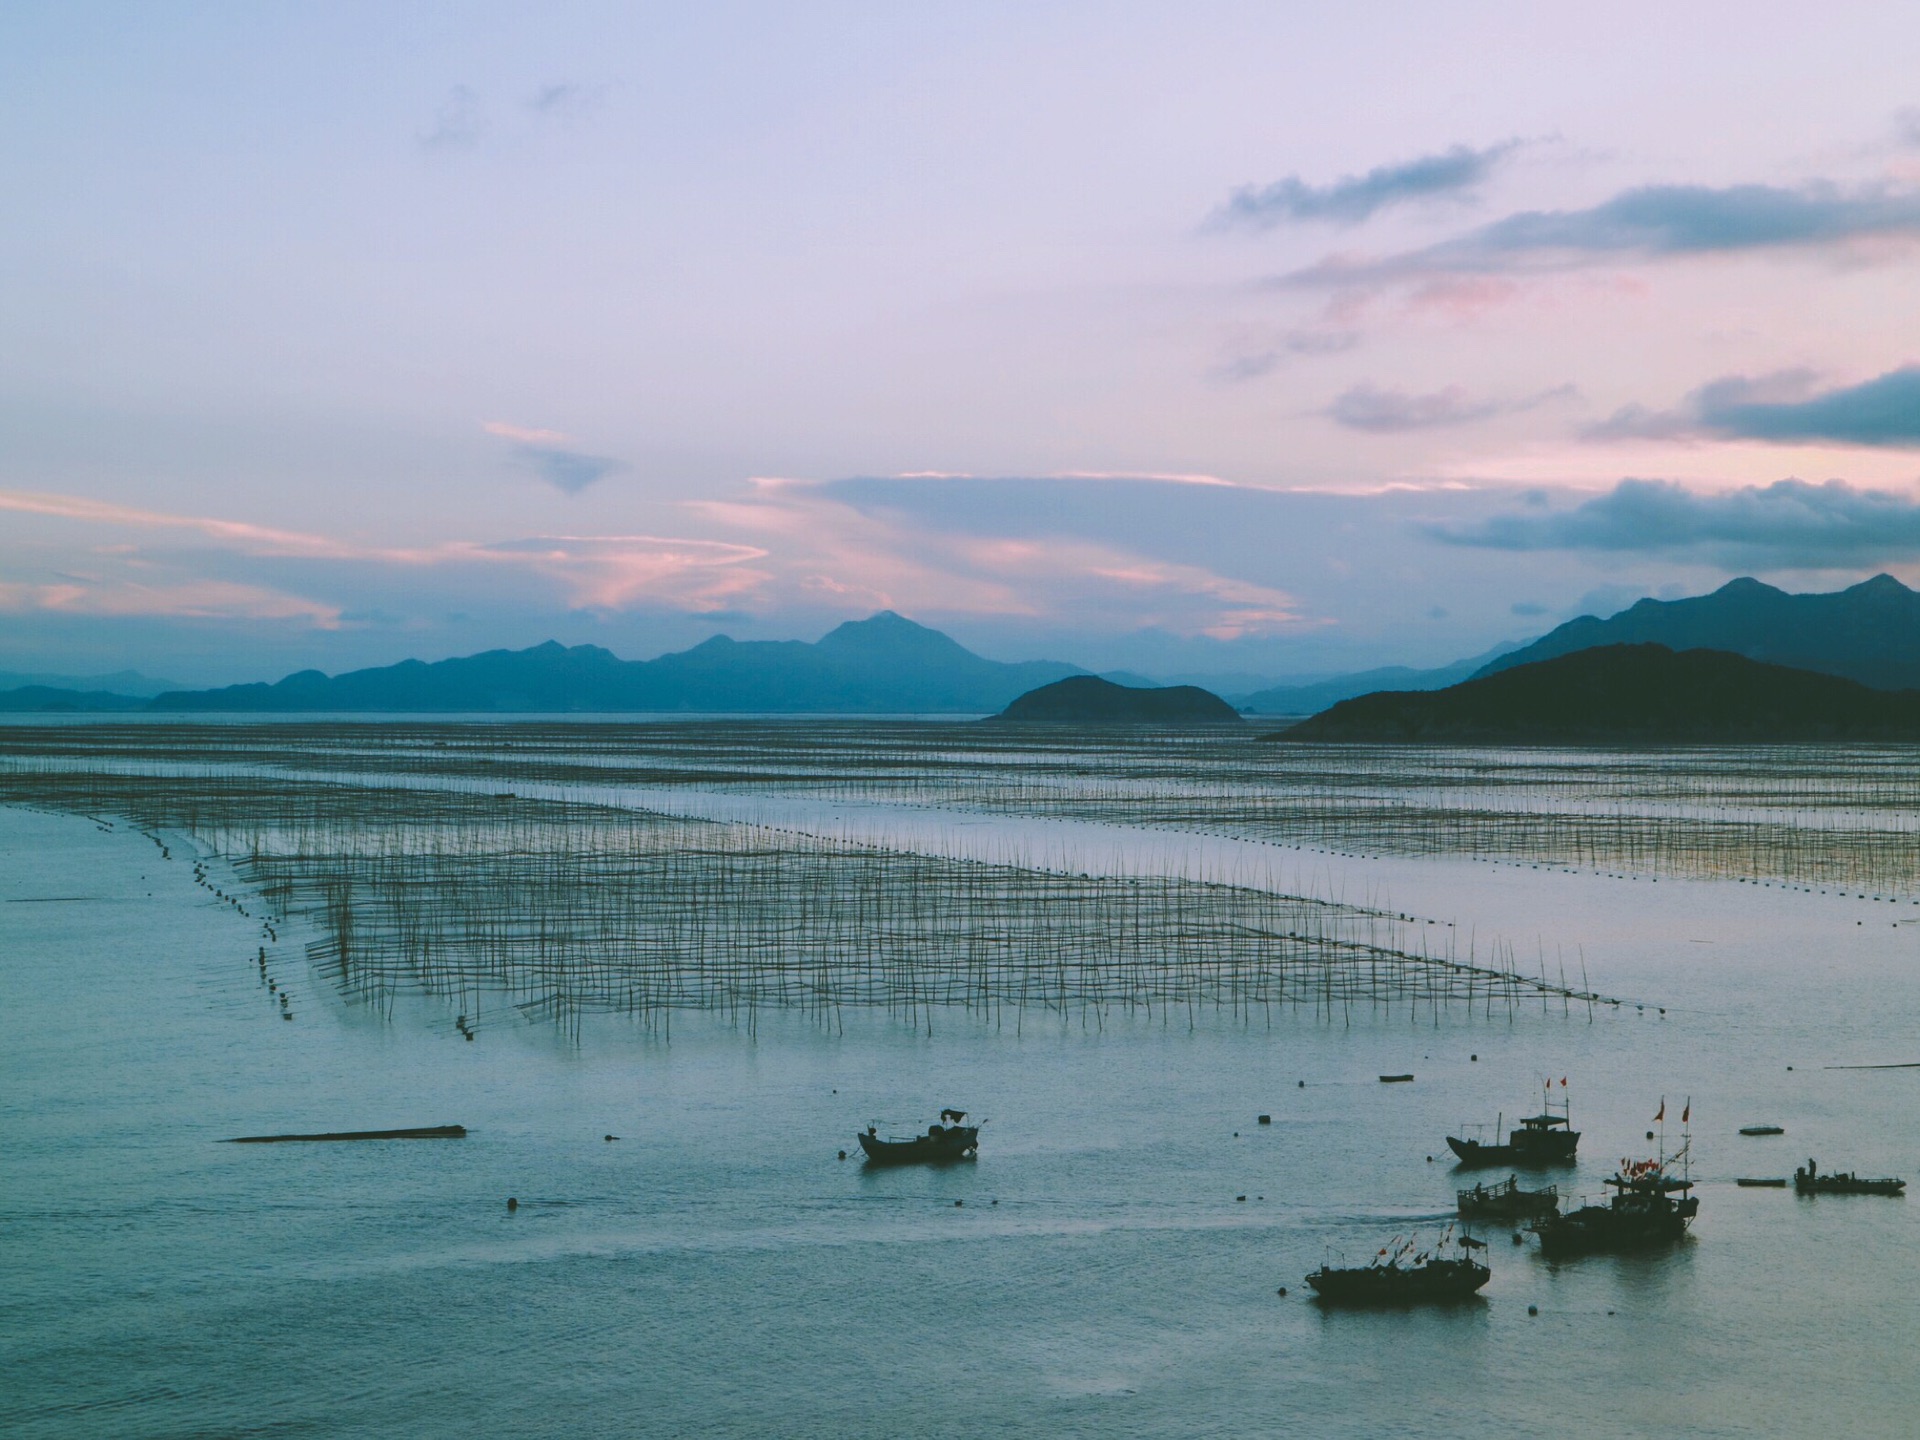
x: 1268, y: 340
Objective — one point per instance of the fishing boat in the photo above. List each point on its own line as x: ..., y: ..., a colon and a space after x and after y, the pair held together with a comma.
x: 1649, y: 1206
x: 1399, y: 1276
x: 951, y: 1138
x: 1808, y: 1180
x: 1544, y: 1139
x: 1761, y: 1130
x: 1507, y: 1201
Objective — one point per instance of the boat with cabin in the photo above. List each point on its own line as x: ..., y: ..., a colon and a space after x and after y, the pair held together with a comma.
x: 1397, y: 1275
x: 1544, y: 1139
x: 950, y: 1138
x: 1650, y: 1206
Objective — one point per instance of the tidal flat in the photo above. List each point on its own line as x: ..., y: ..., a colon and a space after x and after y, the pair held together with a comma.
x: 733, y: 945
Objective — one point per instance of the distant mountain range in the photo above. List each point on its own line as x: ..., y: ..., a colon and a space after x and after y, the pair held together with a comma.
x: 121, y: 683
x: 1627, y: 694
x: 1090, y: 700
x: 1869, y: 633
x: 1313, y: 698
x: 882, y: 665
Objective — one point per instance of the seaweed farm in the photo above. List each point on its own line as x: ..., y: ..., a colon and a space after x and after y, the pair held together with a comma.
x: 1822, y: 816
x: 544, y: 910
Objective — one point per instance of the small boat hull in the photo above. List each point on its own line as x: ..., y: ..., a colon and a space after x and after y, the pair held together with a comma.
x: 1507, y: 1202
x: 1436, y: 1282
x: 945, y: 1145
x: 1598, y: 1229
x: 1805, y: 1184
x: 1553, y: 1147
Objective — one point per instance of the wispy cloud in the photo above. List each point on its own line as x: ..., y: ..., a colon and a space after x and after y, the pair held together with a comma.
x: 1791, y: 523
x: 592, y: 572
x: 1784, y: 408
x: 1354, y: 198
x: 1650, y: 221
x: 945, y: 546
x: 458, y: 124
x: 566, y: 100
x: 121, y: 596
x: 554, y: 457
x: 1379, y: 411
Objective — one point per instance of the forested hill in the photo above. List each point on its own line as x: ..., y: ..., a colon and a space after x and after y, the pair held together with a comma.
x: 1627, y: 694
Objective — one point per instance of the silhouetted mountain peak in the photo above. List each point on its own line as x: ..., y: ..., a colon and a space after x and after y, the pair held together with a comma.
x: 1869, y: 632
x: 887, y: 635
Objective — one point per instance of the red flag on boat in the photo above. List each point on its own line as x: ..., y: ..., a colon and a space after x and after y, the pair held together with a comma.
x: 1685, y: 1111
x: 1563, y: 1085
x: 1663, y: 1110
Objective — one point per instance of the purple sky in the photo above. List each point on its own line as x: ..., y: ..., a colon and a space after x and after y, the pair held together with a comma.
x: 1268, y: 339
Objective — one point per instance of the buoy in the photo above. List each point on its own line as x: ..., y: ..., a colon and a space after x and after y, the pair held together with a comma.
x: 1239, y: 1197
x: 612, y: 1137
x: 1283, y: 1290
x: 1266, y: 1119
x: 1476, y: 1057
x: 512, y: 1204
x: 1429, y: 1159
x: 958, y: 1203
x: 1533, y: 1309
x: 1303, y: 1084
x: 843, y: 1154
x: 1649, y: 1134
x: 1518, y: 1238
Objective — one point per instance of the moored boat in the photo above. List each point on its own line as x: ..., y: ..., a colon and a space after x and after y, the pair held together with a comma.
x: 1507, y: 1201
x: 1761, y: 1130
x: 951, y: 1138
x: 1649, y: 1207
x: 1807, y: 1180
x: 1397, y: 1276
x: 1544, y: 1139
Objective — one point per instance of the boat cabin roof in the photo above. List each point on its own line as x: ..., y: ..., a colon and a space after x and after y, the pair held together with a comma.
x: 1532, y: 1121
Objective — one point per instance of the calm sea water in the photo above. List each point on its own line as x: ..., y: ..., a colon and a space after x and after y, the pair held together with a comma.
x: 717, y: 1271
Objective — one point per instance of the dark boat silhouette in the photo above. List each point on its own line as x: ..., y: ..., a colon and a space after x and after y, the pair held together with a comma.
x: 1807, y: 1180
x: 1507, y: 1201
x: 1543, y: 1139
x: 1649, y: 1207
x: 1398, y: 1277
x: 950, y: 1139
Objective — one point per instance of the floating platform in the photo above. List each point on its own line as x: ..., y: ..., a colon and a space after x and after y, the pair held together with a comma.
x: 1763, y: 1184
x: 1396, y: 1079
x: 417, y: 1132
x: 1761, y: 1130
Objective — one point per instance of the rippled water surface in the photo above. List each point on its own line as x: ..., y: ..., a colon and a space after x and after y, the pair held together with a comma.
x: 717, y: 1270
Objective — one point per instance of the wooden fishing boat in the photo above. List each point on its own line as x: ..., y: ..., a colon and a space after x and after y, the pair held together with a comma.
x: 1507, y: 1201
x: 949, y: 1139
x: 1396, y: 1276
x: 1544, y: 1139
x: 1649, y: 1207
x: 1808, y: 1180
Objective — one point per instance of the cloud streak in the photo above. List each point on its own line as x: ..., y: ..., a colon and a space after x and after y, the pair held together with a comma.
x: 1355, y: 198
x: 1783, y: 408
x: 553, y: 456
x: 1790, y: 523
x: 1650, y: 222
x: 596, y: 572
x: 1376, y: 411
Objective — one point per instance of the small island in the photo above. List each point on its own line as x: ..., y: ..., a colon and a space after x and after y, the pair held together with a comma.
x: 1089, y: 700
x: 1626, y: 694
